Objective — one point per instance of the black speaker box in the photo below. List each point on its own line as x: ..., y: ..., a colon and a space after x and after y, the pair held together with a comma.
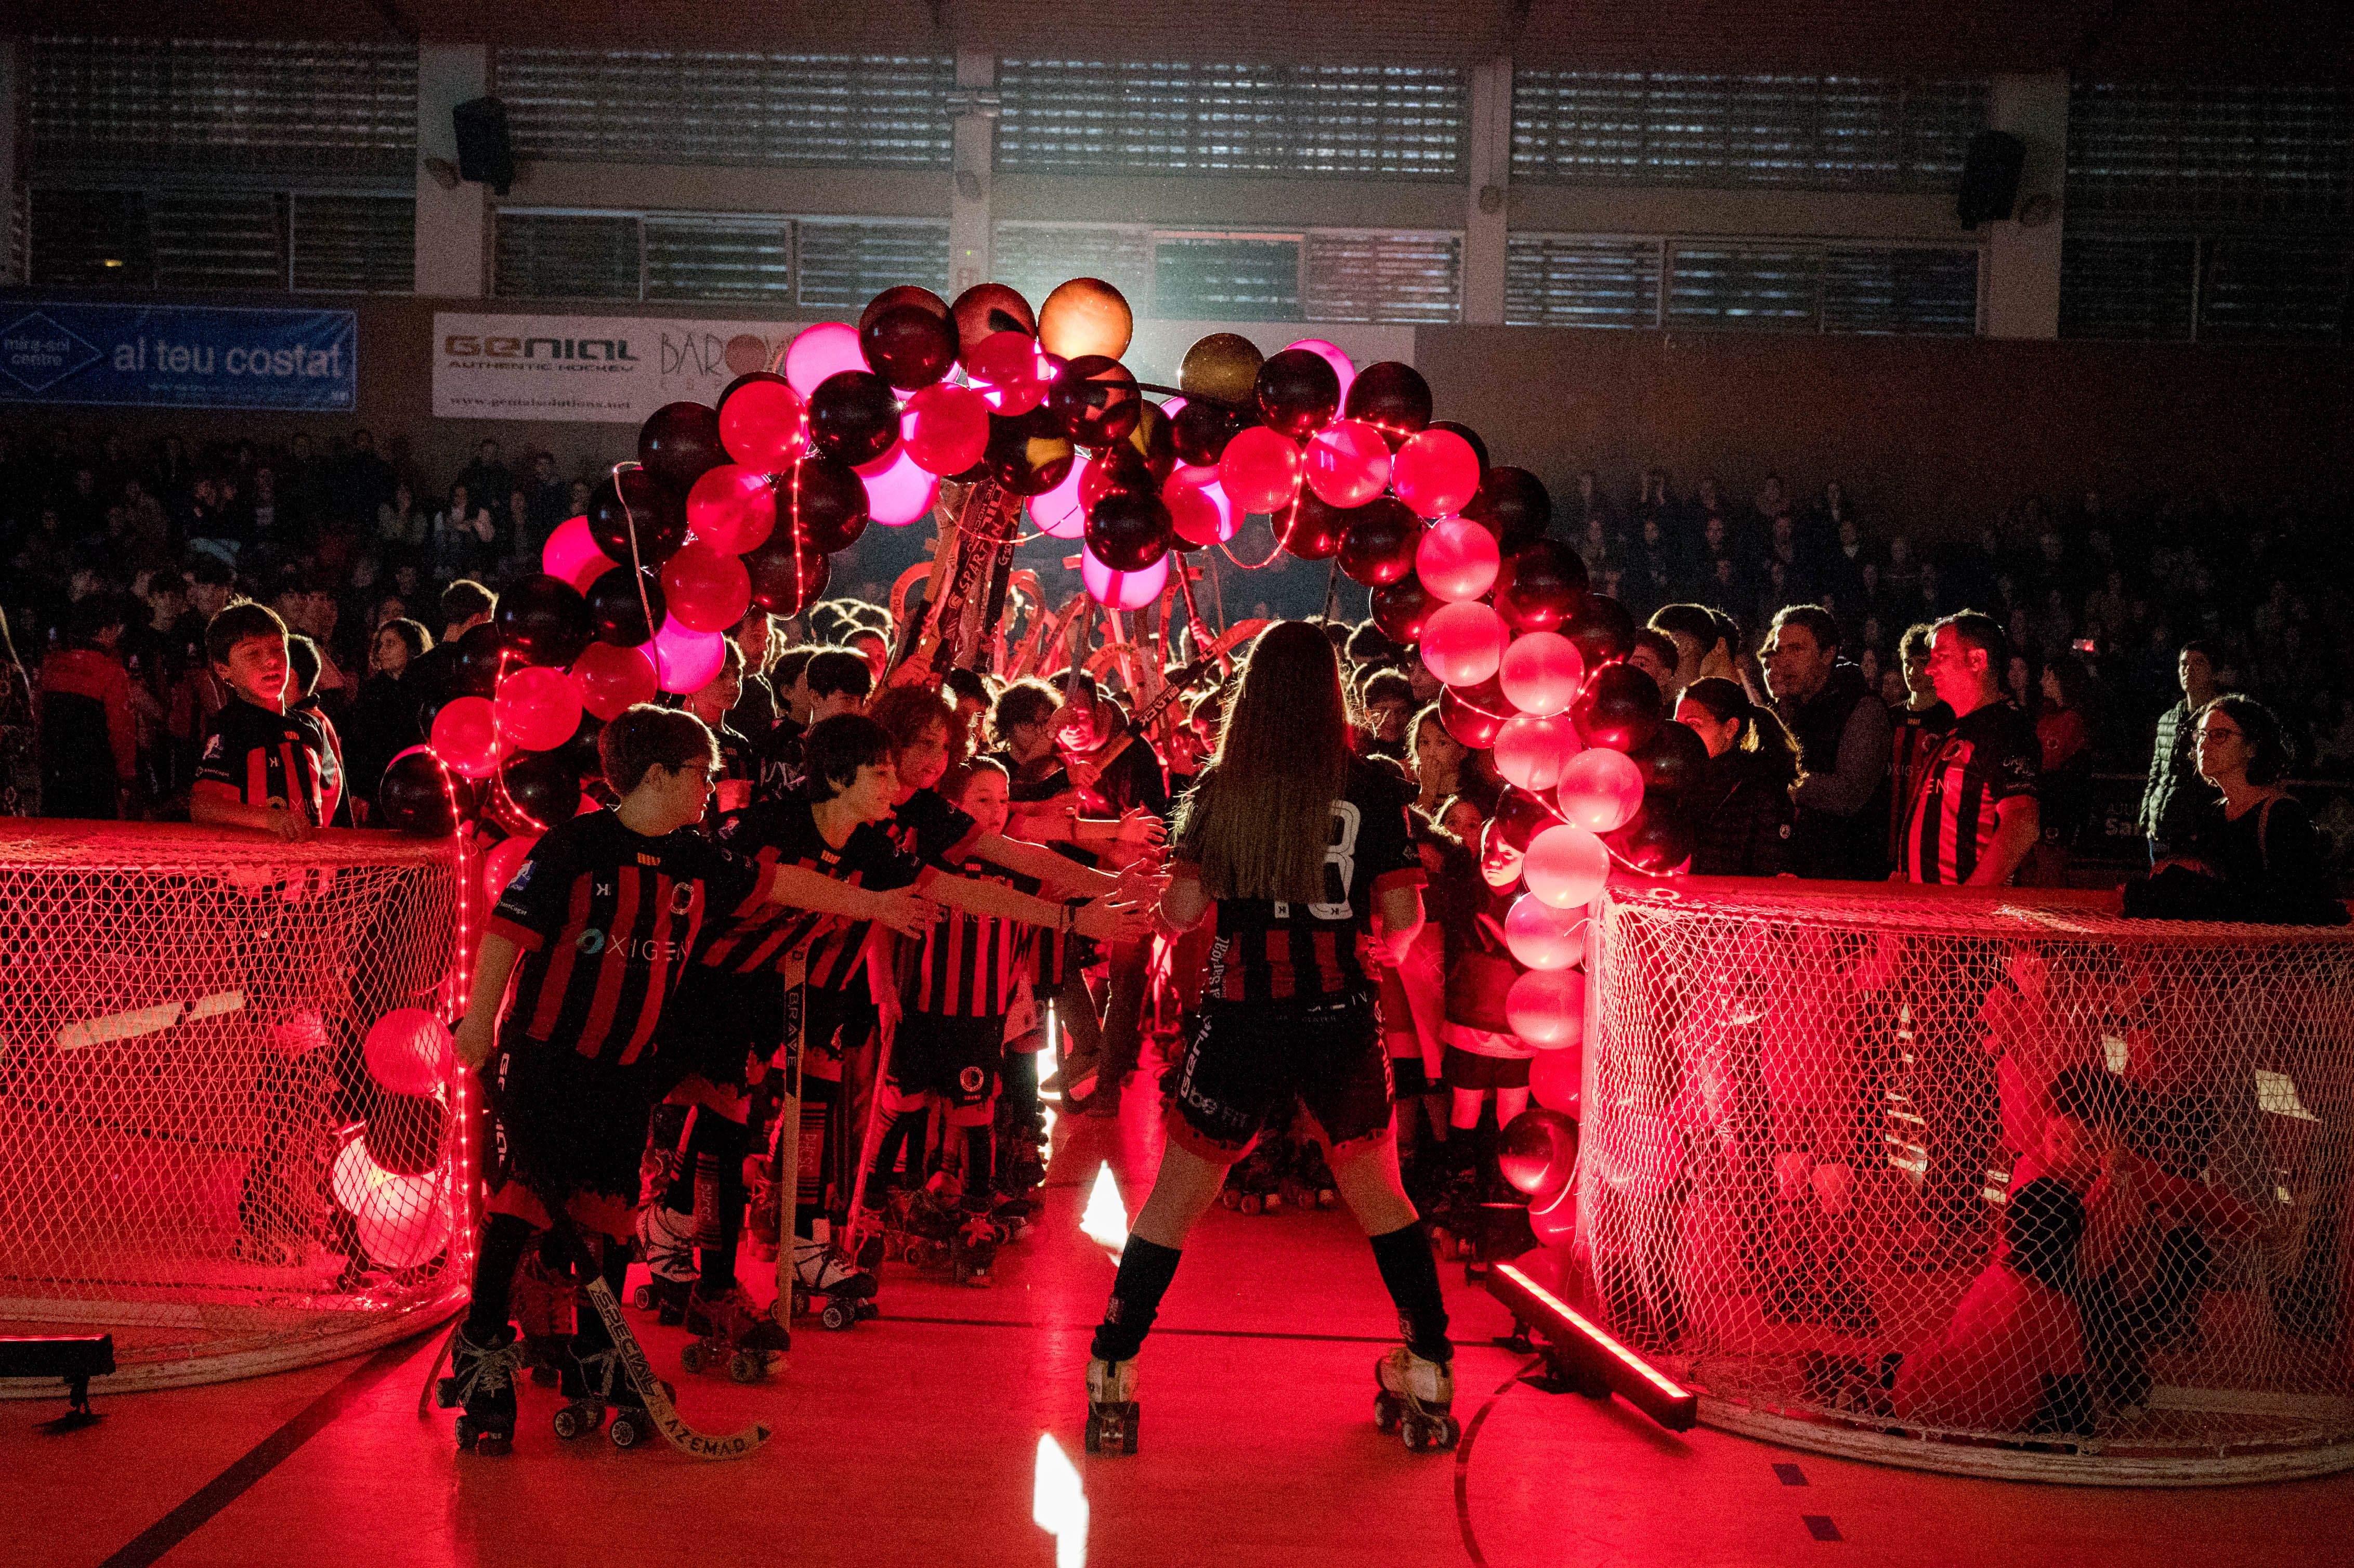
x: 1990, y: 177
x: 485, y: 153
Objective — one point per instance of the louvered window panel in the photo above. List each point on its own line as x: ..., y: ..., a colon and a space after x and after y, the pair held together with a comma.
x: 1565, y: 280
x: 2127, y: 288
x: 2282, y: 151
x: 1095, y: 117
x: 90, y: 239
x: 1238, y: 278
x: 566, y: 256
x: 2278, y: 291
x: 844, y: 264
x: 638, y: 106
x: 1900, y: 289
x: 223, y: 105
x: 1364, y: 276
x: 226, y: 240
x: 356, y: 244
x: 1789, y: 132
x: 719, y: 258
x: 1754, y: 287
x: 1032, y: 257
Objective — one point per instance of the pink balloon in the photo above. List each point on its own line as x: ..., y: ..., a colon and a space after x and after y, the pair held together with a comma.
x: 705, y: 589
x: 685, y: 660
x: 1601, y: 790
x: 1557, y: 1081
x: 1542, y: 670
x: 945, y: 428
x: 1341, y: 366
x: 1456, y: 559
x: 402, y: 1220
x: 1566, y: 866
x: 466, y: 737
x: 1553, y: 1221
x: 761, y: 425
x: 1349, y: 463
x: 826, y: 349
x: 408, y: 1050
x: 538, y: 708
x: 733, y: 507
x: 1122, y: 590
x: 499, y: 868
x: 1062, y: 512
x: 1260, y: 471
x: 1463, y: 644
x: 898, y: 488
x: 1547, y: 1008
x: 1533, y: 749
x: 1198, y: 506
x: 570, y: 553
x: 611, y: 679
x: 1008, y: 369
x: 1542, y: 936
x: 1435, y: 472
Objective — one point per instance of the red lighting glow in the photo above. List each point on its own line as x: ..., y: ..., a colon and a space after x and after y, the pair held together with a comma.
x: 1659, y: 1396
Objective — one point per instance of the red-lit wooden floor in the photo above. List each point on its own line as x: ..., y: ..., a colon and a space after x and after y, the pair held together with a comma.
x: 913, y: 1440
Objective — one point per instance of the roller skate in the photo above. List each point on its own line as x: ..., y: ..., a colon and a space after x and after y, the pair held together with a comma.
x: 667, y: 1242
x: 544, y: 1310
x: 1311, y: 1177
x: 732, y: 1332
x: 481, y: 1385
x: 594, y: 1383
x: 843, y: 1293
x: 1111, y: 1406
x: 973, y: 1250
x: 1013, y: 1215
x: 1455, y: 1216
x: 1255, y: 1183
x: 1413, y: 1397
x: 920, y: 1228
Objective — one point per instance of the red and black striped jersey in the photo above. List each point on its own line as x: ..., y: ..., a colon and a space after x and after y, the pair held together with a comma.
x: 606, y: 919
x: 785, y: 832
x: 1990, y: 755
x: 267, y: 759
x: 967, y: 965
x: 1277, y: 952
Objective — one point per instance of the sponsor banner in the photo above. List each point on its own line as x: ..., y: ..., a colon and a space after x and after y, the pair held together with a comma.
x: 597, y: 369
x: 178, y: 356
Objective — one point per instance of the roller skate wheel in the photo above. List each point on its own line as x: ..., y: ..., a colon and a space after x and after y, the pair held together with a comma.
x: 467, y: 1435
x: 445, y: 1394
x: 1415, y: 1436
x: 1326, y: 1197
x: 1274, y: 1202
x: 835, y: 1316
x: 746, y: 1367
x: 577, y: 1421
x: 1387, y: 1414
x: 1231, y: 1199
x: 691, y: 1358
x: 642, y: 1299
x: 1253, y: 1203
x: 625, y: 1431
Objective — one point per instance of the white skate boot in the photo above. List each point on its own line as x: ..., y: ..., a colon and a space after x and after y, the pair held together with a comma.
x: 1413, y: 1397
x: 1111, y: 1406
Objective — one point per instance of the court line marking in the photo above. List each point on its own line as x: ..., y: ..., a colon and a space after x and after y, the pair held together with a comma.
x: 1463, y: 1461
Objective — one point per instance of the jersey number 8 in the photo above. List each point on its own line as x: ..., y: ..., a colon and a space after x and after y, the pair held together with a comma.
x: 1341, y: 858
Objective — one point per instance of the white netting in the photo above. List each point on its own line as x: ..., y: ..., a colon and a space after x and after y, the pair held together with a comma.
x: 201, y: 1150
x: 1998, y: 1183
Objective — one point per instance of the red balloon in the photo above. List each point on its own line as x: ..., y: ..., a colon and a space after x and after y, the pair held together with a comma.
x: 572, y: 554
x: 732, y: 507
x: 1600, y: 790
x: 1308, y: 528
x: 1457, y: 560
x: 987, y: 310
x: 1200, y: 512
x: 499, y: 868
x: 1348, y: 463
x: 787, y: 577
x: 466, y: 737
x: 705, y: 589
x: 823, y: 502
x: 1532, y: 751
x: 1547, y: 1008
x: 1471, y: 722
x: 1004, y: 368
x: 946, y: 427
x: 1521, y: 816
x: 537, y: 708
x: 1378, y: 546
x: 1566, y: 866
x: 909, y: 345
x: 1542, y: 936
x: 633, y: 502
x: 1435, y: 472
x: 904, y: 294
x: 1115, y: 471
x: 1464, y: 643
x: 1402, y: 609
x: 1261, y: 469
x: 1557, y: 1082
x: 762, y: 421
x: 611, y: 679
x: 1542, y: 669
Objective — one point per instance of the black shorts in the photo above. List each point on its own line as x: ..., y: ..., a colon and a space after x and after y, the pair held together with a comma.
x: 956, y: 1059
x: 717, y: 1026
x: 1248, y: 1059
x: 1470, y: 1070
x: 563, y: 1125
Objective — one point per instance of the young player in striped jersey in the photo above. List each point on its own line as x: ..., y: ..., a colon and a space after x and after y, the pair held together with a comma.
x: 264, y: 765
x: 594, y: 933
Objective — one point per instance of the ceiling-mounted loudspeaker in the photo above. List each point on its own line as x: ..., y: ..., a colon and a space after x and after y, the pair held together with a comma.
x: 1990, y: 177
x: 485, y: 153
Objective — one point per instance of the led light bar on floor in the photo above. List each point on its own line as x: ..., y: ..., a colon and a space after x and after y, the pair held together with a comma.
x: 1583, y: 1353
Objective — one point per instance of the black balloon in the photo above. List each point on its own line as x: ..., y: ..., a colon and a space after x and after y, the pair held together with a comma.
x: 1672, y: 760
x: 1202, y: 430
x: 1310, y: 527
x: 1479, y: 447
x: 1153, y: 440
x: 1473, y: 714
x: 1537, y: 1152
x: 538, y: 790
x: 1378, y: 545
x: 823, y: 500
x: 634, y: 497
x: 1403, y: 608
x: 909, y: 345
x: 1539, y: 585
x: 985, y: 310
x: 1128, y: 530
x: 1602, y: 629
x: 1513, y: 505
x: 581, y: 752
x: 1392, y: 396
x: 414, y: 796
x: 1095, y: 400
x: 404, y: 1132
x: 616, y: 615
x: 1659, y: 839
x: 1618, y: 708
x: 1521, y: 816
x: 904, y: 294
x: 1298, y: 392
x: 544, y: 621
x: 1028, y: 453
x: 680, y: 441
x: 787, y: 578
x: 480, y: 660
x: 852, y: 416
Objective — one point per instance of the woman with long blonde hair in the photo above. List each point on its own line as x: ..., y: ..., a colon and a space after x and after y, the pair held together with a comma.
x: 1301, y: 851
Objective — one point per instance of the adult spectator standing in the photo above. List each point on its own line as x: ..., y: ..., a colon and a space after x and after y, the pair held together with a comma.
x: 547, y: 497
x: 465, y: 534
x: 1740, y: 807
x: 363, y: 483
x: 2063, y: 730
x: 755, y: 713
x: 2171, y: 801
x: 2258, y: 838
x: 1708, y: 642
x: 1974, y: 815
x: 89, y: 735
x: 1919, y: 728
x: 486, y: 479
x: 383, y: 721
x: 465, y: 604
x: 1842, y: 731
x: 20, y: 746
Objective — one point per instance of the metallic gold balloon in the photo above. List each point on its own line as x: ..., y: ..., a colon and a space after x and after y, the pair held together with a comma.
x: 1221, y: 368
x: 1085, y: 317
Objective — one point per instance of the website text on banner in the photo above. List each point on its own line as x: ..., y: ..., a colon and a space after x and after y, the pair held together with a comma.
x: 178, y: 356
x: 599, y: 369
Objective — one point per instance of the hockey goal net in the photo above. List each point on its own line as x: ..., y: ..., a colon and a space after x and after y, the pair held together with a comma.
x: 1994, y: 1182
x: 230, y: 1130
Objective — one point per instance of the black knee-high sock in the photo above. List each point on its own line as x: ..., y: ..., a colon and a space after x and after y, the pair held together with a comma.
x: 723, y: 1147
x: 906, y: 1128
x: 506, y: 1238
x: 1403, y: 1257
x: 1145, y: 1270
x: 980, y: 1160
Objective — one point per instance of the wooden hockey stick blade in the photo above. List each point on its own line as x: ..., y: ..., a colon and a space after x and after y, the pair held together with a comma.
x: 695, y: 1445
x: 433, y: 1372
